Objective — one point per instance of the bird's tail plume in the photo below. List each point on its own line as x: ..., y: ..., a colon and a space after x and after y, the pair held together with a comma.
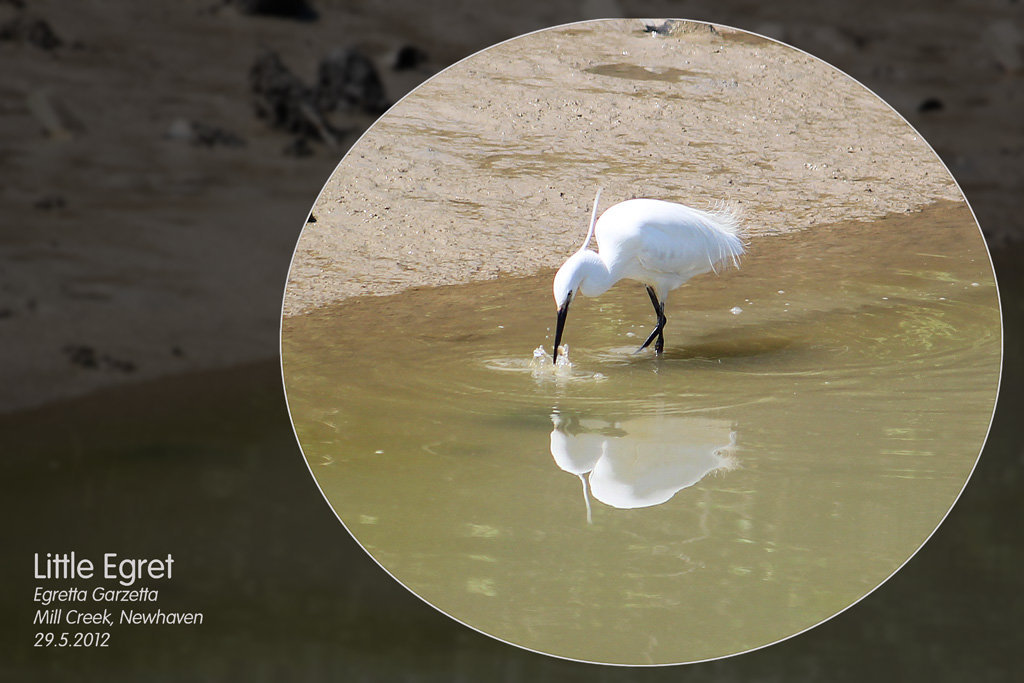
x: 727, y: 241
x: 728, y: 216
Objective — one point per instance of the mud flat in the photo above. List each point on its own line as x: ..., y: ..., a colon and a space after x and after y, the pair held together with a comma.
x: 489, y: 168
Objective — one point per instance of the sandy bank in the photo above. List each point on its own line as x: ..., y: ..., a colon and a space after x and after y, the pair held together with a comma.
x: 490, y: 167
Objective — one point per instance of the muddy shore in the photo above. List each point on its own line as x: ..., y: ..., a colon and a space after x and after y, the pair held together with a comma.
x: 490, y: 167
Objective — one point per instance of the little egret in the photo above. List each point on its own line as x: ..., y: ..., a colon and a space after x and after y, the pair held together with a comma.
x: 657, y: 243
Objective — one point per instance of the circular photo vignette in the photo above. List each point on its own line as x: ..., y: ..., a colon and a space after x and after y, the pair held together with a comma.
x: 822, y: 390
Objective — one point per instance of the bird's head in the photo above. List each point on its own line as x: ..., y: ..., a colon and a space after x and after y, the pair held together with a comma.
x: 570, y: 280
x: 572, y: 277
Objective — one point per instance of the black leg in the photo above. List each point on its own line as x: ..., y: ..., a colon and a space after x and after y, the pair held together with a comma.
x: 659, y: 310
x: 649, y: 340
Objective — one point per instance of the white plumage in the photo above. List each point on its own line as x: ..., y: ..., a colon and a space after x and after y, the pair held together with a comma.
x: 660, y: 244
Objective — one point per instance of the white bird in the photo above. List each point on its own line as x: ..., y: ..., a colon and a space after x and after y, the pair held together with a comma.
x: 657, y: 243
x: 642, y: 461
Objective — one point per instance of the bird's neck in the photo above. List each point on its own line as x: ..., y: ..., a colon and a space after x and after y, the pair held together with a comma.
x: 596, y: 277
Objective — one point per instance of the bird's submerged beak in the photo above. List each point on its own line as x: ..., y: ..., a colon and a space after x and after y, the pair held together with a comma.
x: 563, y: 313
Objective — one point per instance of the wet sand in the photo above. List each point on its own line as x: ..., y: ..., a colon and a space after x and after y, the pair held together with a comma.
x: 490, y: 167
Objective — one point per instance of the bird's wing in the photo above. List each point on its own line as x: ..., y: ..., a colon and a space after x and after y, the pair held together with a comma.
x: 681, y: 249
x: 648, y: 237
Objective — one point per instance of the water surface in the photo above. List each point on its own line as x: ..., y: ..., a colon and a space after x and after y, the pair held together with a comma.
x: 815, y: 415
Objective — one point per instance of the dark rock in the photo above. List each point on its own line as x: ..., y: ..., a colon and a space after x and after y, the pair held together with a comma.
x: 285, y: 102
x: 211, y: 136
x: 859, y: 40
x: 202, y: 135
x: 85, y: 356
x: 31, y: 30
x: 82, y: 355
x: 348, y: 79
x: 279, y: 95
x: 50, y: 201
x: 311, y: 219
x: 662, y: 29
x: 299, y: 147
x: 117, y: 364
x: 409, y: 57
x: 675, y: 27
x: 286, y: 9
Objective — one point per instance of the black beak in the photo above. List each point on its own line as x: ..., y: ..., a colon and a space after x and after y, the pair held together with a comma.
x: 563, y: 313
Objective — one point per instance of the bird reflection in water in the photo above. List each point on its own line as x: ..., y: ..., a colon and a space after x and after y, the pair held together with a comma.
x: 643, y: 461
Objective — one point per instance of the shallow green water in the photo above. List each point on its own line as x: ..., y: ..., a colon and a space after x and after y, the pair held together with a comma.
x: 772, y: 468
